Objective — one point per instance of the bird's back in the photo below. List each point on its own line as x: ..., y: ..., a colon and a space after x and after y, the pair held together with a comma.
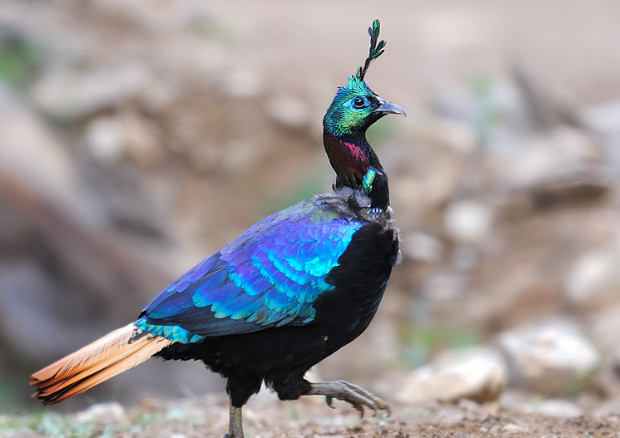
x: 335, y: 270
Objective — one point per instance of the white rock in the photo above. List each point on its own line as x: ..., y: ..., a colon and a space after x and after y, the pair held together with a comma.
x: 104, y: 413
x: 468, y: 221
x: 103, y: 139
x: 551, y: 359
x: 289, y: 111
x: 594, y: 280
x: 422, y: 246
x: 553, y: 408
x: 478, y: 374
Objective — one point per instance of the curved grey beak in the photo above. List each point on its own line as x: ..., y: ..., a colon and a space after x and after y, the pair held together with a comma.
x: 389, y: 108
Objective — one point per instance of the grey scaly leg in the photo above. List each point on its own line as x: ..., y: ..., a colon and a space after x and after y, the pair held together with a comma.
x: 235, y: 425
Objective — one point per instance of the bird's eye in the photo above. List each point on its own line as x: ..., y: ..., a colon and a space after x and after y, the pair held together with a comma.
x: 359, y: 102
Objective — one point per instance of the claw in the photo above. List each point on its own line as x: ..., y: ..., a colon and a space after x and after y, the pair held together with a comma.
x: 356, y: 396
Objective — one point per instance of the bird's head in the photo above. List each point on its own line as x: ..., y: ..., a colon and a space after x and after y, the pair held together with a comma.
x: 355, y: 107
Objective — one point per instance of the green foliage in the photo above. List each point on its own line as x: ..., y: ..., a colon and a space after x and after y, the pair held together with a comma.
x: 55, y: 425
x: 422, y: 342
x: 484, y: 92
x: 20, y: 58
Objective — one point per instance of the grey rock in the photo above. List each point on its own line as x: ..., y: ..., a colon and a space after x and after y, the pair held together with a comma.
x: 288, y: 111
x: 551, y: 359
x: 478, y: 374
x: 468, y: 221
x: 103, y: 414
x: 74, y: 95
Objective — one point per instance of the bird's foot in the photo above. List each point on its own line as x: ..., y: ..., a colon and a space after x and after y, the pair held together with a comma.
x: 354, y: 395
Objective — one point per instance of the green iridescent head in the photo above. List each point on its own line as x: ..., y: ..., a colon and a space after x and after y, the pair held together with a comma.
x: 355, y: 106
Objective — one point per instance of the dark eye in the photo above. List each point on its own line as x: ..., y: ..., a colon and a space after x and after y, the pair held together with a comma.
x: 359, y: 102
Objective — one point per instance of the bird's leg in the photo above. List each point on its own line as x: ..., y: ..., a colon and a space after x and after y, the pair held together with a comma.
x: 235, y: 425
x: 354, y: 395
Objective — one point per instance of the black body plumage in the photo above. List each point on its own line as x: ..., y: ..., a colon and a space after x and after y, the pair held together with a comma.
x: 281, y: 356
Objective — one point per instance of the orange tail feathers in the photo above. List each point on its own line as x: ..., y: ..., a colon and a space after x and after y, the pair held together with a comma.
x: 95, y: 363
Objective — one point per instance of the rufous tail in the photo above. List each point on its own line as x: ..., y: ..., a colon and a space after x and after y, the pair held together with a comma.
x: 113, y: 354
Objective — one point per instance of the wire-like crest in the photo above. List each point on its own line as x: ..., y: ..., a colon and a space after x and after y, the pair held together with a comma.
x: 376, y: 49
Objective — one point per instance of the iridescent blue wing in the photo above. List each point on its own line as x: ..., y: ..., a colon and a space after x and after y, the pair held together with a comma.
x: 268, y: 277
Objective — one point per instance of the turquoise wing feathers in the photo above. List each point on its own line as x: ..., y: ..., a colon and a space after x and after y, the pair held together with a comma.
x: 268, y: 277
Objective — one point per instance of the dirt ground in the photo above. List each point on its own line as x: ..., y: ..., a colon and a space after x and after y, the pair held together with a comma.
x: 266, y: 417
x: 310, y: 418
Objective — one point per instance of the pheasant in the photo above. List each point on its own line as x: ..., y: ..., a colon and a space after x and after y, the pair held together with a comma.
x: 288, y: 292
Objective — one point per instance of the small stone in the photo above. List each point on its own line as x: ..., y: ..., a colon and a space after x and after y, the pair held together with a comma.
x: 104, y: 414
x: 468, y: 221
x: 513, y: 428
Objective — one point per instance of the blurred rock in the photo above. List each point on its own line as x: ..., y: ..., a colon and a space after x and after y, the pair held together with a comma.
x: 241, y: 83
x: 594, y: 280
x: 546, y: 156
x: 289, y: 112
x: 603, y: 327
x: 526, y: 403
x: 550, y: 360
x: 103, y: 139
x: 608, y: 407
x: 604, y: 119
x: 31, y: 153
x: 71, y: 95
x: 110, y: 138
x: 26, y: 304
x: 104, y: 414
x: 446, y: 133
x: 606, y: 379
x: 468, y: 221
x: 421, y: 246
x: 478, y: 374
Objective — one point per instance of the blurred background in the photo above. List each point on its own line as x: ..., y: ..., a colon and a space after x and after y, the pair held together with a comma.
x: 139, y: 136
